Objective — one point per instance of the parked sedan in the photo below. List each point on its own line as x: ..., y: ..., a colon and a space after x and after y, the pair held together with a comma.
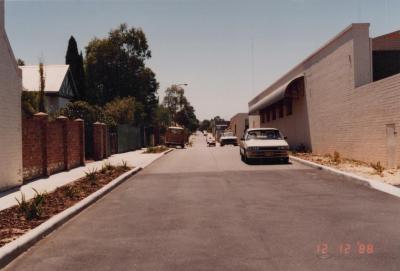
x: 264, y: 143
x: 227, y: 138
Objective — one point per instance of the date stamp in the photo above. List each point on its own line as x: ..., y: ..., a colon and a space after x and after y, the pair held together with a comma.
x: 325, y: 250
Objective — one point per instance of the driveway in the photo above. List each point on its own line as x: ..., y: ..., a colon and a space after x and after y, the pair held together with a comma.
x: 203, y: 209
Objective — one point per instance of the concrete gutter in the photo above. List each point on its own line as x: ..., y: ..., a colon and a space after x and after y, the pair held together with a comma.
x: 374, y: 184
x: 11, y: 250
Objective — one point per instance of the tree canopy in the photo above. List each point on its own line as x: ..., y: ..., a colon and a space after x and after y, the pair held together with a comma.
x: 75, y: 61
x: 116, y: 67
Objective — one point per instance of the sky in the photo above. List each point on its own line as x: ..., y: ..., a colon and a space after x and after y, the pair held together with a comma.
x: 227, y: 51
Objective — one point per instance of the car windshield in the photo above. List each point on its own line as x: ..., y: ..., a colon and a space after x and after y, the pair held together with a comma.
x: 264, y: 134
x: 228, y: 134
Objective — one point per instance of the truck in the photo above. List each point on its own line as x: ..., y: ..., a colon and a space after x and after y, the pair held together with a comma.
x: 175, y: 136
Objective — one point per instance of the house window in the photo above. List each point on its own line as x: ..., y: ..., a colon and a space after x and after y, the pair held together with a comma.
x: 289, y: 107
x: 268, y: 112
x: 262, y: 115
x: 280, y: 109
x: 273, y: 112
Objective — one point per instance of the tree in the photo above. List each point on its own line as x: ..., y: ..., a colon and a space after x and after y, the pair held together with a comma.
x: 20, y: 62
x: 205, y: 125
x: 180, y: 110
x: 121, y: 110
x: 115, y: 67
x: 42, y: 86
x: 75, y: 62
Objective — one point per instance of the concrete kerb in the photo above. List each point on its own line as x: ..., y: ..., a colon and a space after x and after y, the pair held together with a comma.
x: 13, y: 249
x: 373, y: 184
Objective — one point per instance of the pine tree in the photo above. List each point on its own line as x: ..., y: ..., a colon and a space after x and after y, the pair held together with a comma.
x: 75, y: 62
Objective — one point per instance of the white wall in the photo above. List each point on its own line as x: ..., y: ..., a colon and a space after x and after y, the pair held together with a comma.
x: 10, y: 113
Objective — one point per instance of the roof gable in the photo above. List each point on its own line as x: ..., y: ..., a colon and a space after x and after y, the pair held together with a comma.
x: 54, y: 77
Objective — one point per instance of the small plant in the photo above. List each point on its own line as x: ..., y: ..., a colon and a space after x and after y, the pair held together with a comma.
x: 70, y: 191
x: 91, y: 175
x: 32, y: 209
x: 378, y: 168
x: 157, y: 149
x: 107, y: 168
x: 124, y: 165
x: 336, y: 157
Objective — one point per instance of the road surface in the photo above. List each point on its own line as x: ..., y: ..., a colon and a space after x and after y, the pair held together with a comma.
x: 203, y: 209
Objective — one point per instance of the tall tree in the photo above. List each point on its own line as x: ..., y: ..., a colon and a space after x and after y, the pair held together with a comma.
x: 116, y: 67
x: 42, y: 85
x: 75, y: 62
x: 20, y: 62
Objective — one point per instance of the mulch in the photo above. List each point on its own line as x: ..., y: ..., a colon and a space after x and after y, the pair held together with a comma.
x: 13, y: 222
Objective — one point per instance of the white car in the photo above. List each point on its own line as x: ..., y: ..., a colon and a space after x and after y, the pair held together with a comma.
x: 264, y: 143
x: 227, y: 138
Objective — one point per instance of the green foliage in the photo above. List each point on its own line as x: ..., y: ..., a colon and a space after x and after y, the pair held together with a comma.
x: 91, y: 175
x: 89, y: 113
x: 32, y: 209
x: 157, y: 149
x: 121, y: 110
x: 41, y: 88
x: 75, y: 62
x: 180, y: 110
x: 336, y: 157
x: 107, y: 168
x: 70, y: 191
x: 379, y: 169
x: 20, y: 62
x: 205, y: 125
x: 115, y: 67
x: 30, y: 102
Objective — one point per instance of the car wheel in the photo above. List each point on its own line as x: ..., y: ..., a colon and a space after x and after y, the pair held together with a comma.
x: 222, y: 145
x: 285, y: 160
x: 183, y: 146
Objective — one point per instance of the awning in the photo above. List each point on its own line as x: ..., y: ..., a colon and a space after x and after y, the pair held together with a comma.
x: 273, y: 97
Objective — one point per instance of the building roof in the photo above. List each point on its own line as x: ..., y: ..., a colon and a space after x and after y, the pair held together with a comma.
x: 54, y: 77
x: 300, y: 68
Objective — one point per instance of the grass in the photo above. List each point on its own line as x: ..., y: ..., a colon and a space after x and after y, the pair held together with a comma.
x: 379, y: 169
x: 91, y: 175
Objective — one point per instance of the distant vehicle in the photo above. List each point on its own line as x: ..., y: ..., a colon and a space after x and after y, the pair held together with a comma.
x: 205, y: 133
x: 227, y: 138
x: 175, y: 136
x: 210, y: 141
x: 264, y: 143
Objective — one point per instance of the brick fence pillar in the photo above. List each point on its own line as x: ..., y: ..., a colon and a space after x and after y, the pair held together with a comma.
x: 66, y: 138
x: 42, y: 119
x: 98, y: 141
x: 105, y: 141
x: 81, y: 124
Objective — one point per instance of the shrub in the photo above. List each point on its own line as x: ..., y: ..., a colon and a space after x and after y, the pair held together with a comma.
x: 32, y: 209
x: 157, y: 149
x: 30, y: 102
x: 121, y: 110
x: 336, y: 157
x: 124, y: 165
x: 378, y: 168
x: 70, y: 191
x: 91, y: 175
x: 107, y: 168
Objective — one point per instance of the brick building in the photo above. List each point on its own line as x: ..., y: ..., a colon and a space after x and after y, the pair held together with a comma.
x: 10, y: 113
x: 344, y: 97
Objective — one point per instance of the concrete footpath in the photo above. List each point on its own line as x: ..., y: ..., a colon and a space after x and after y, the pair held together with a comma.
x: 48, y: 184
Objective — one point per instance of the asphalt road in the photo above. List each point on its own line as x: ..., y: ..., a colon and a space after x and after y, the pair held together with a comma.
x: 203, y: 209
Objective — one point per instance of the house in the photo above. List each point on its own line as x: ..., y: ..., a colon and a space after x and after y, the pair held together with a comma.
x: 10, y: 113
x: 344, y: 97
x: 239, y: 124
x: 60, y: 87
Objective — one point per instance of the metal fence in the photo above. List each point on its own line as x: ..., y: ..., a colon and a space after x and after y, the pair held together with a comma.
x: 129, y: 138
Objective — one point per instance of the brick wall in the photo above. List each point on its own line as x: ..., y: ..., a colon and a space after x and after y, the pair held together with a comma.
x: 50, y: 147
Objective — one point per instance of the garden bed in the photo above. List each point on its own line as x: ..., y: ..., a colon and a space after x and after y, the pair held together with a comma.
x: 368, y: 170
x: 27, y: 215
x: 157, y: 149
